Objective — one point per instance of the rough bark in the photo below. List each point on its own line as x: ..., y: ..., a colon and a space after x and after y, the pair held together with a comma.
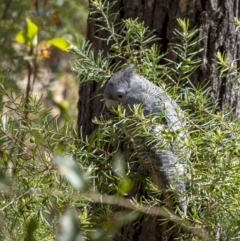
x: 214, y: 18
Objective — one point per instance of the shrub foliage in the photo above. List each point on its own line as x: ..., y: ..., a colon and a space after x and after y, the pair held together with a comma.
x: 46, y: 170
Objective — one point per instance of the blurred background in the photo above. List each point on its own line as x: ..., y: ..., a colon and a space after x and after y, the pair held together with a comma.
x: 47, y: 67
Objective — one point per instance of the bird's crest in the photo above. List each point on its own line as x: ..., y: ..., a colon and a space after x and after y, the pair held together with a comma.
x: 129, y: 69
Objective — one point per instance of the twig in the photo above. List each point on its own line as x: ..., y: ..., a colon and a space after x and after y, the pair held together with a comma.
x: 5, y: 12
x: 14, y: 200
x: 150, y: 210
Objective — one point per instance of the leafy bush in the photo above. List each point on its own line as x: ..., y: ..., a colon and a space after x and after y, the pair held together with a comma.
x: 46, y: 170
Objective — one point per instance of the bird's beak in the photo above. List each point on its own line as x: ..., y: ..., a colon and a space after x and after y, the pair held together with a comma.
x: 110, y: 103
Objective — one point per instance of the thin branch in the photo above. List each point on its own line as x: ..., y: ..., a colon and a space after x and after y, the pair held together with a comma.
x: 150, y: 210
x: 15, y: 199
x: 5, y: 11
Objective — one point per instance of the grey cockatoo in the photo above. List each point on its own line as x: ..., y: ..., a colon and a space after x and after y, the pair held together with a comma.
x: 165, y: 164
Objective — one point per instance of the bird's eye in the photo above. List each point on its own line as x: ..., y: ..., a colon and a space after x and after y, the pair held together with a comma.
x: 120, y: 96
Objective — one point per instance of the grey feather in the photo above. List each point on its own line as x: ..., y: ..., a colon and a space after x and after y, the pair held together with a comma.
x: 167, y: 167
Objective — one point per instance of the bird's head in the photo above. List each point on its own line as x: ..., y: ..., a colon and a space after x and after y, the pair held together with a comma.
x: 124, y: 88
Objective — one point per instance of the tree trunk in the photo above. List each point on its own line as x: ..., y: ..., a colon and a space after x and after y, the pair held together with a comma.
x: 213, y: 18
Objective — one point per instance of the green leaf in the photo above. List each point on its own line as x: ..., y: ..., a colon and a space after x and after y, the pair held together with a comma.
x: 72, y: 171
x: 112, y: 226
x: 21, y: 37
x: 37, y: 135
x: 60, y: 43
x: 3, y: 179
x: 119, y: 165
x: 125, y: 185
x: 69, y: 226
x: 31, y: 229
x: 28, y: 36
